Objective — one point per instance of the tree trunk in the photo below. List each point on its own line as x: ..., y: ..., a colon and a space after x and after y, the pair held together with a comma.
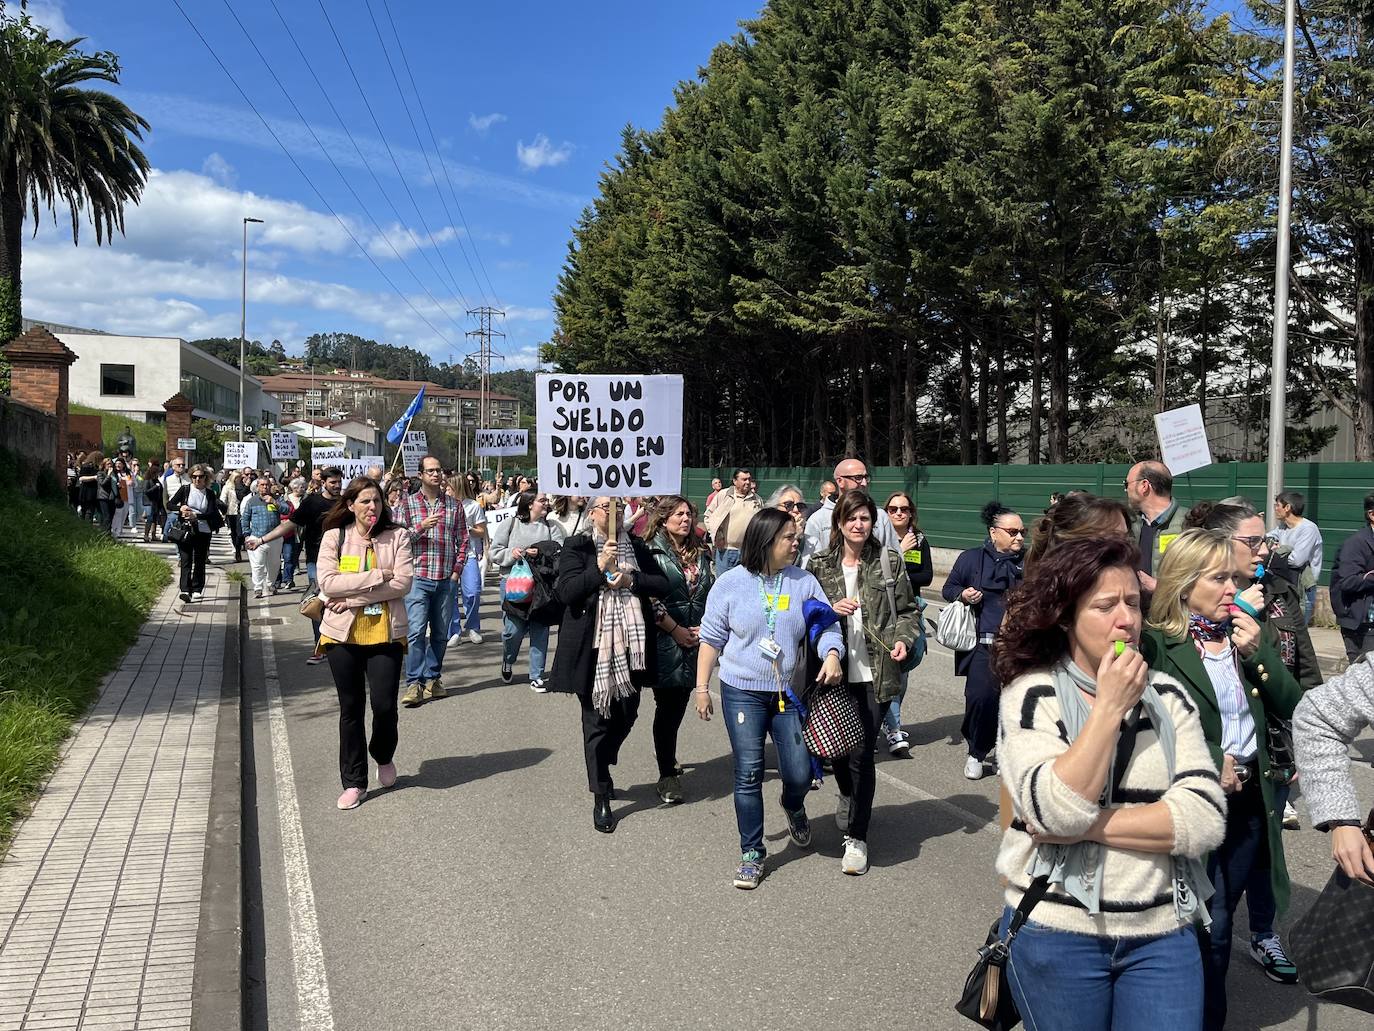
x: 894, y: 403
x: 11, y: 255
x: 980, y: 441
x: 1364, y: 344
x: 1202, y: 347
x: 909, y: 406
x: 866, y: 379
x: 1161, y: 356
x: 1003, y: 445
x: 819, y: 413
x: 1059, y: 383
x: 965, y: 400
x: 1037, y: 381
x: 851, y: 412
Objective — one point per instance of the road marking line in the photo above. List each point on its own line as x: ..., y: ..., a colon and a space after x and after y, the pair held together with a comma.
x: 313, y: 1008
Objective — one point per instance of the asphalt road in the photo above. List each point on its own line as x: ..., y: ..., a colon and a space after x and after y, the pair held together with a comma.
x: 475, y: 893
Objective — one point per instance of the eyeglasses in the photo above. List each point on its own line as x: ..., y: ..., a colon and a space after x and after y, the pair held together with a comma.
x: 1019, y: 531
x: 898, y: 508
x: 1253, y: 543
x: 791, y: 506
x: 432, y: 472
x: 857, y: 478
x: 1126, y: 484
x: 603, y: 507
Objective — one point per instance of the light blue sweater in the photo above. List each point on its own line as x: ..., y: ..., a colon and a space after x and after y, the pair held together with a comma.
x: 735, y: 622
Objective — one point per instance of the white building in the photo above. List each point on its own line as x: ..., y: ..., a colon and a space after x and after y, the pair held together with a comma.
x: 134, y: 375
x: 357, y: 438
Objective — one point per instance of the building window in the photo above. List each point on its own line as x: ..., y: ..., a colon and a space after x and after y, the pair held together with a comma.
x: 117, y: 380
x: 210, y: 396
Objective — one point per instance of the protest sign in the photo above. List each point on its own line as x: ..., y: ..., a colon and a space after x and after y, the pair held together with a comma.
x: 412, y: 453
x: 322, y: 456
x: 618, y: 436
x: 502, y: 442
x: 240, y: 453
x: 497, y: 516
x: 283, y: 444
x: 417, y: 437
x: 1183, y: 439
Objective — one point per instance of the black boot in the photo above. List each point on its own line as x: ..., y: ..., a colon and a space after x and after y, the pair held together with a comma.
x: 602, y: 817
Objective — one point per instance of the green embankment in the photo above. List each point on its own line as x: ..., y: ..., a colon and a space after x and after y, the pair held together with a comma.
x: 71, y: 603
x: 151, y: 438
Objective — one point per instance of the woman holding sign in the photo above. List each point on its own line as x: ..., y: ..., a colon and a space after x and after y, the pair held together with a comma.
x: 365, y: 573
x: 605, y: 652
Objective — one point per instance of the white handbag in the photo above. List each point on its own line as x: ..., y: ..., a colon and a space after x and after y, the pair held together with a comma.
x: 958, y: 627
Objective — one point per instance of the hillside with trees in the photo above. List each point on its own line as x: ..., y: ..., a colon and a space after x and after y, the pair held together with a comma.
x: 934, y: 231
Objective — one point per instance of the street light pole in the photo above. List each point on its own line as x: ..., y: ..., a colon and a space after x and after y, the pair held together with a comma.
x: 243, y: 321
x: 1278, y: 376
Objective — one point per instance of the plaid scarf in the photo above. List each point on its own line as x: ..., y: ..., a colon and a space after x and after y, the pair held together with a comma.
x: 620, y: 637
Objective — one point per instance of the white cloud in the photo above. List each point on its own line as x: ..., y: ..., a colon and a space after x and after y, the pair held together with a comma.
x: 50, y: 15
x: 482, y: 123
x: 219, y: 170
x: 542, y: 153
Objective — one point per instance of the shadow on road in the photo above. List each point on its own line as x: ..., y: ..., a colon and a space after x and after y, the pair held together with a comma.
x: 456, y: 770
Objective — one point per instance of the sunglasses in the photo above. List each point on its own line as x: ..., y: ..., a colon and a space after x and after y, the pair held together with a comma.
x: 898, y: 508
x: 1017, y: 532
x: 197, y: 476
x: 791, y: 506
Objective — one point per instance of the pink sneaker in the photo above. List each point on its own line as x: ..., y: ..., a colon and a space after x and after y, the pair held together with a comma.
x: 352, y: 798
x: 386, y: 774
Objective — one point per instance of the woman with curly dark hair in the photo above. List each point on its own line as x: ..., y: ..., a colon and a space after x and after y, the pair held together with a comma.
x: 1116, y: 800
x: 981, y: 578
x: 1077, y: 516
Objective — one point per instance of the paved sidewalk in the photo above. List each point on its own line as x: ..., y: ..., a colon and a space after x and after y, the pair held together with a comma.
x: 100, y: 893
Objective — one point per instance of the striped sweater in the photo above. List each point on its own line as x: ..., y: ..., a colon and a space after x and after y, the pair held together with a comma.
x: 1137, y: 887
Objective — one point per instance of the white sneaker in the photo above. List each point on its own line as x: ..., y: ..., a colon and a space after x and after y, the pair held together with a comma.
x: 197, y: 596
x: 455, y: 640
x: 974, y: 769
x: 537, y: 686
x: 855, y: 861
x: 1290, y: 818
x: 898, y: 745
x: 474, y: 637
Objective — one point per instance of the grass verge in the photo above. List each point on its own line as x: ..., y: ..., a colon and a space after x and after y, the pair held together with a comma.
x: 151, y: 438
x: 71, y: 603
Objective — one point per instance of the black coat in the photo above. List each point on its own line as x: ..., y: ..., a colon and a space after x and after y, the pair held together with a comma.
x: 1351, y: 589
x: 579, y: 588
x: 214, y: 515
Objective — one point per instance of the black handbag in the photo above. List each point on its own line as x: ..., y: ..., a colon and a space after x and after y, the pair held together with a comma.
x: 1333, y: 942
x: 179, y: 532
x: 987, y: 996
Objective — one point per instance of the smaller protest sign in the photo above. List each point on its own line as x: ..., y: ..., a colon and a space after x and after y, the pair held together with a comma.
x: 502, y: 443
x: 1183, y: 439
x: 240, y: 453
x: 283, y: 444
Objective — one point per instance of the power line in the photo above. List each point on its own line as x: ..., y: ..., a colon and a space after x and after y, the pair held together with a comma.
x: 309, y: 182
x: 405, y: 184
x: 382, y: 234
x: 423, y: 152
x: 386, y: 5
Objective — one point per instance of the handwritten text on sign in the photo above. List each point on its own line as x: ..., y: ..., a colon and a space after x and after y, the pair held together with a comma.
x: 283, y: 444
x: 619, y: 436
x: 502, y: 442
x: 239, y: 454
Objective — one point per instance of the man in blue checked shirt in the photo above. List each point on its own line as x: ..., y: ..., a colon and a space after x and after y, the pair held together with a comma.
x: 439, y: 544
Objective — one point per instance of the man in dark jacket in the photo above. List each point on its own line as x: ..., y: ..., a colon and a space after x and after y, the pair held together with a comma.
x: 1352, y: 587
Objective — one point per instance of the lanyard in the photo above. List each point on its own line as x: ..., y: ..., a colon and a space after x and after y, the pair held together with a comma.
x: 770, y: 602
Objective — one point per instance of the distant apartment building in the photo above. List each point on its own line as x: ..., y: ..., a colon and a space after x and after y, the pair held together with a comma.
x: 328, y: 395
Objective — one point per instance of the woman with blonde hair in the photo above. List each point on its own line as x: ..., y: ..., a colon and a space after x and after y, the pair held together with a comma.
x: 196, y: 505
x: 1212, y: 641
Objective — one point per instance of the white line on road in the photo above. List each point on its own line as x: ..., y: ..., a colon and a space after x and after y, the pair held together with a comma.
x: 307, y: 954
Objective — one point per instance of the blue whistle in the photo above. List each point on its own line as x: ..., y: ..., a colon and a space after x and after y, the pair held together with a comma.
x: 1259, y: 571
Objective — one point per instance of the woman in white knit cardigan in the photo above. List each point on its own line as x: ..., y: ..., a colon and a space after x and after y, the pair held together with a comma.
x: 1116, y: 799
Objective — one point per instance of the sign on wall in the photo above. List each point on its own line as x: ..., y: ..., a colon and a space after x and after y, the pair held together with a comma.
x: 283, y: 444
x: 1183, y: 439
x: 186, y: 443
x: 240, y: 453
x: 503, y: 443
x: 618, y: 436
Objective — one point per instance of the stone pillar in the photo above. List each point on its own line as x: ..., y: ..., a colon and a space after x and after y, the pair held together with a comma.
x: 40, y: 365
x: 178, y: 408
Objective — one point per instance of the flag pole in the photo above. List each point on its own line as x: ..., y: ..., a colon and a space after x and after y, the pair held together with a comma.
x: 401, y: 447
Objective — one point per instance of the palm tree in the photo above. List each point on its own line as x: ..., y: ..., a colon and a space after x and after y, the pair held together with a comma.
x: 59, y: 144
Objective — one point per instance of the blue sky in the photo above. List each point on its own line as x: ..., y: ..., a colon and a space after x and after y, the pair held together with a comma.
x: 526, y: 101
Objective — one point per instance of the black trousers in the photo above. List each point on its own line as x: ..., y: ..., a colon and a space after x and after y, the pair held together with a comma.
x: 360, y: 670
x: 235, y: 534
x: 193, y: 552
x: 857, y: 777
x: 602, y: 737
x: 107, y: 512
x: 1358, y: 641
x: 982, y: 697
x: 670, y: 705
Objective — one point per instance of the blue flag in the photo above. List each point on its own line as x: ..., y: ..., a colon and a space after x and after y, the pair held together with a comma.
x: 398, y: 428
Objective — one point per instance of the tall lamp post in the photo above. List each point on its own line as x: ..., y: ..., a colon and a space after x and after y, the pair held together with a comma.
x: 1279, y: 374
x: 243, y: 320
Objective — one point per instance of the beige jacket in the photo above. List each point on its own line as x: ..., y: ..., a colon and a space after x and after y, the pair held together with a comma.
x: 728, y: 517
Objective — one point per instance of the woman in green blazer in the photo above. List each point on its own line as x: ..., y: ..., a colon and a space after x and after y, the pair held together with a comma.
x: 1201, y: 635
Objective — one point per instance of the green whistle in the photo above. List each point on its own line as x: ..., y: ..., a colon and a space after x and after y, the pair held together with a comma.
x: 1120, y: 647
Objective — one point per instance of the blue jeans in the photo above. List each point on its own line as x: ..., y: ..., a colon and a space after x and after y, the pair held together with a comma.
x: 513, y: 630
x: 750, y: 716
x: 1309, y: 604
x: 314, y: 586
x: 429, y: 607
x: 1244, y: 850
x: 1063, y: 981
x: 892, y: 711
x: 726, y: 560
x: 290, y: 554
x: 1259, y: 889
x: 471, y: 616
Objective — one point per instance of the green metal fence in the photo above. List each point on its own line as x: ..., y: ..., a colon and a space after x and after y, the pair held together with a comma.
x: 948, y: 497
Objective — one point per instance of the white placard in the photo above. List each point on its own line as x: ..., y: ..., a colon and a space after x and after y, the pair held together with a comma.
x: 1183, y: 439
x: 618, y: 436
x: 412, y: 454
x: 283, y: 444
x: 186, y: 443
x: 503, y: 443
x: 417, y: 437
x: 240, y: 453
x: 497, y: 516
x: 322, y: 456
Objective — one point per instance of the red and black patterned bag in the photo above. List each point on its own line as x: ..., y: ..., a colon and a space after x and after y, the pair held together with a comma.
x: 833, y: 727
